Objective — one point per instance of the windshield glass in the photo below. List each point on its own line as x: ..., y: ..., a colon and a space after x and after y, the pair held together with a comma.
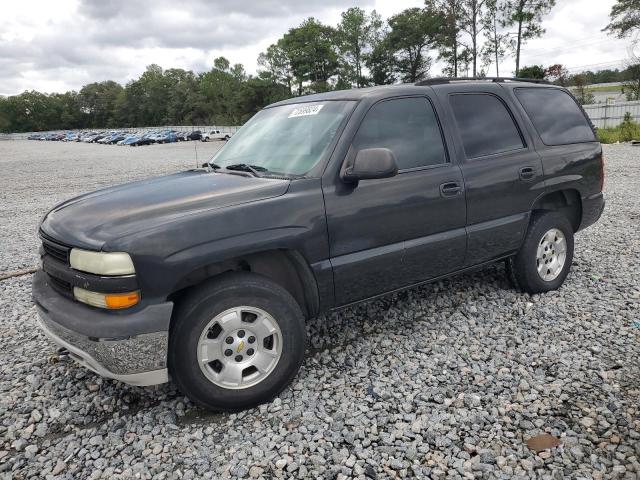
x: 286, y: 140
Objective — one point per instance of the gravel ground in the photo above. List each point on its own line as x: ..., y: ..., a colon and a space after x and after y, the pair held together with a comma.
x: 446, y: 380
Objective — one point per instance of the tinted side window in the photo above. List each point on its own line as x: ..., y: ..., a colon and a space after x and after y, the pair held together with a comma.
x: 485, y: 124
x: 555, y: 115
x: 406, y: 126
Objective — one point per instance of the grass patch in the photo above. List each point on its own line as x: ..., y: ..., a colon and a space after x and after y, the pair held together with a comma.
x: 625, y: 132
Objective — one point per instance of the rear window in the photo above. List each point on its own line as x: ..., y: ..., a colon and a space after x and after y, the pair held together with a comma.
x: 485, y: 125
x: 555, y: 115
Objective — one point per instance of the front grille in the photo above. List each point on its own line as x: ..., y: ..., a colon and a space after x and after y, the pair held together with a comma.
x: 56, y: 250
x: 61, y: 286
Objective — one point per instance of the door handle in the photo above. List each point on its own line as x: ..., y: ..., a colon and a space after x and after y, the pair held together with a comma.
x: 527, y: 173
x: 450, y: 189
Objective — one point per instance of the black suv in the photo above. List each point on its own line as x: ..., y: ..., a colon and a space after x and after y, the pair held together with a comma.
x: 318, y: 202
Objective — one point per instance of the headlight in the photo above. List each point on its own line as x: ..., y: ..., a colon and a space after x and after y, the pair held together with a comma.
x: 106, y: 300
x: 101, y: 263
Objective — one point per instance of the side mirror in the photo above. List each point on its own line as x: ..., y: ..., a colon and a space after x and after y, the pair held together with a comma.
x: 369, y: 164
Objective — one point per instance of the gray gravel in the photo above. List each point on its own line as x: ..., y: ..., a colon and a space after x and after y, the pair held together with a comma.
x: 446, y: 380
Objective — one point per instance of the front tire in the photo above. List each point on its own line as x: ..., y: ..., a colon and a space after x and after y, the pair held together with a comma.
x: 236, y: 342
x: 544, y: 260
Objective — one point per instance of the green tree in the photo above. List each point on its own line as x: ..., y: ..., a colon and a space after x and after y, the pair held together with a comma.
x: 625, y: 18
x: 5, y: 121
x: 473, y: 22
x: 32, y: 111
x: 97, y: 100
x: 412, y: 33
x: 69, y: 110
x: 381, y: 63
x: 356, y: 34
x: 558, y: 74
x: 526, y: 16
x: 312, y: 53
x: 145, y: 101
x: 582, y: 94
x: 628, y: 128
x: 182, y: 99
x: 448, y: 42
x: 221, y: 89
x: 631, y: 84
x: 276, y: 65
x: 496, y: 41
x: 534, y: 71
x: 258, y: 92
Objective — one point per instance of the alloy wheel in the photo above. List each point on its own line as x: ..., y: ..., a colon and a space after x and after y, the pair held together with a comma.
x: 239, y: 347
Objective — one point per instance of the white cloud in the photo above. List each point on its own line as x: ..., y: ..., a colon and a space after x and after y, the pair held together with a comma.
x: 61, y: 45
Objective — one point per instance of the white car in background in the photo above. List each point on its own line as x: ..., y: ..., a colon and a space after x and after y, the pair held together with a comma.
x: 215, y: 135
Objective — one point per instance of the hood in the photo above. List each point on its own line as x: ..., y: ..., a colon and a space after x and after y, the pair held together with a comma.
x: 93, y: 219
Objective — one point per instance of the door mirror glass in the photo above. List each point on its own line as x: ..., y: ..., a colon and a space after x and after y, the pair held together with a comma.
x: 369, y: 164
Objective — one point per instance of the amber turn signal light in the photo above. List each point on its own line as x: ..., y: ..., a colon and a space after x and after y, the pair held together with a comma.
x: 112, y: 301
x: 122, y: 300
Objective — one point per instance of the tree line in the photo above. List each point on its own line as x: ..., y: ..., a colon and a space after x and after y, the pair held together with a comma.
x: 467, y: 37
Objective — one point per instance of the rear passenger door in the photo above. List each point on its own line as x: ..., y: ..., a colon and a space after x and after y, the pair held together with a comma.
x: 502, y: 171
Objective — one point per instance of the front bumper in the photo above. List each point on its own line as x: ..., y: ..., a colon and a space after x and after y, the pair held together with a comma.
x: 131, y: 348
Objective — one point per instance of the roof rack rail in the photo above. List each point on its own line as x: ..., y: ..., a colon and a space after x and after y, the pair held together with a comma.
x: 440, y: 80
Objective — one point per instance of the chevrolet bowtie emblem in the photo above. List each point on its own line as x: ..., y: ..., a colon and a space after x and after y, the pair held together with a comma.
x: 240, y: 347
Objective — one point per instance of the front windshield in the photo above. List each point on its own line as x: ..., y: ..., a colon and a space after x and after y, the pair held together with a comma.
x: 286, y: 140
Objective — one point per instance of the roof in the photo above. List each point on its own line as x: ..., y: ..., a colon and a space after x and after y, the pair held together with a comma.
x: 403, y: 88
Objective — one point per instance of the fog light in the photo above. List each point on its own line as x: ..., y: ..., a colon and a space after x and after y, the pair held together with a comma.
x: 111, y: 301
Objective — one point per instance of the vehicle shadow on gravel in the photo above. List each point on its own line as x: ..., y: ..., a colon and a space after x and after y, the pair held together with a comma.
x: 343, y: 327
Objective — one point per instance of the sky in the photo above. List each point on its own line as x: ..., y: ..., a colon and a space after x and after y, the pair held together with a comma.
x: 55, y: 46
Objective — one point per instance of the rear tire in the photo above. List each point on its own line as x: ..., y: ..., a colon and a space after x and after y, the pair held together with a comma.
x: 544, y: 260
x: 236, y: 342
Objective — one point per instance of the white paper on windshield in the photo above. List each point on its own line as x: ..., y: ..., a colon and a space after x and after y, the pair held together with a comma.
x: 305, y: 111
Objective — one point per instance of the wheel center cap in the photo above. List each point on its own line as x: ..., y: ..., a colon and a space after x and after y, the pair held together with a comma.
x: 240, y: 346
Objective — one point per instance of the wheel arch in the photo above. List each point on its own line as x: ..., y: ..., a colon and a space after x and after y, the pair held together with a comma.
x: 565, y: 201
x: 288, y: 268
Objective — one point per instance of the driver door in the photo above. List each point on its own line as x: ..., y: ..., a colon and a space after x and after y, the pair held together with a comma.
x: 389, y: 233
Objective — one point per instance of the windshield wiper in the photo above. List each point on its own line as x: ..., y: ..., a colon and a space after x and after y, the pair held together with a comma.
x: 243, y: 167
x: 212, y: 166
x: 255, y: 170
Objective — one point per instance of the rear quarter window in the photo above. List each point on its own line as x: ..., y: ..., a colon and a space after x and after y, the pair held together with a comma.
x: 555, y: 115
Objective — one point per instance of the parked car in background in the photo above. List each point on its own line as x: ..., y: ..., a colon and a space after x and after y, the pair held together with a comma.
x: 167, y: 136
x: 89, y: 137
x: 145, y: 137
x: 194, y: 135
x: 70, y: 137
x: 130, y: 140
x: 113, y: 139
x: 182, y: 135
x: 106, y: 137
x: 215, y: 135
x: 141, y: 140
